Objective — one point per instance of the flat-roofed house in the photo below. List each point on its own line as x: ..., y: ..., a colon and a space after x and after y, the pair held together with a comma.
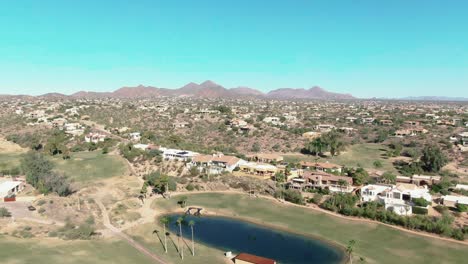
x: 452, y: 200
x: 321, y: 166
x: 266, y: 158
x: 262, y: 170
x: 9, y: 188
x: 397, y: 198
x: 215, y: 164
x: 177, y: 154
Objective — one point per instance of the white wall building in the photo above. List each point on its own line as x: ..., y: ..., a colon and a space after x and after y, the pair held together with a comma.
x: 397, y: 198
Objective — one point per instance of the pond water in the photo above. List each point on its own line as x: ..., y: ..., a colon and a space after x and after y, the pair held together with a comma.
x: 238, y: 236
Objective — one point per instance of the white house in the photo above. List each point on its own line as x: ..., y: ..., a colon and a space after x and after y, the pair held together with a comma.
x: 95, y: 138
x: 135, y: 136
x: 397, y: 198
x: 464, y: 138
x: 216, y: 164
x: 74, y: 129
x: 141, y: 146
x: 461, y: 187
x: 272, y: 120
x: 8, y: 188
x: 324, y: 127
x: 452, y: 200
x: 177, y: 154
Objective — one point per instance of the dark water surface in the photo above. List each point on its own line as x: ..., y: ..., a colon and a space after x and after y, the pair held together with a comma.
x: 238, y: 236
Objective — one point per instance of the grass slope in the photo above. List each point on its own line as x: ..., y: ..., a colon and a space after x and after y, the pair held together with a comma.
x: 9, y: 161
x: 14, y: 251
x: 362, y: 155
x: 376, y: 243
x: 85, y: 167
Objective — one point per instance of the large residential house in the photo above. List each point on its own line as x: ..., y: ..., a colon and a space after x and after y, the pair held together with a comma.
x: 75, y: 129
x: 177, y: 154
x: 216, y: 164
x: 397, y: 198
x: 95, y: 138
x: 262, y: 170
x: 265, y: 158
x: 321, y: 166
x: 324, y: 128
x: 452, y: 200
x: 317, y: 179
x: 419, y: 180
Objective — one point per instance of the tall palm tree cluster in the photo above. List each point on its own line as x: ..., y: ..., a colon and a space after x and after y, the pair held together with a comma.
x: 165, y: 221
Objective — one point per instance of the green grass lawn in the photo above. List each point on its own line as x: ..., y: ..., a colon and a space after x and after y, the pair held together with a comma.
x: 16, y: 251
x: 84, y: 167
x: 9, y: 161
x: 362, y: 155
x: 155, y: 243
x: 375, y: 242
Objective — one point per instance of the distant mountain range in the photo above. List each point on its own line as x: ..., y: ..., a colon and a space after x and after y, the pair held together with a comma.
x: 207, y: 89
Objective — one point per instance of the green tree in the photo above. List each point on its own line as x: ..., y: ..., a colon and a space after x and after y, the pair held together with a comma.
x: 334, y: 141
x: 360, y: 176
x: 39, y: 174
x: 388, y: 178
x: 316, y: 146
x: 433, y: 159
x: 4, y: 212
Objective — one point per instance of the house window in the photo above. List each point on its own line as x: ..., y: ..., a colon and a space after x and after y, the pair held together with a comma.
x: 396, y: 195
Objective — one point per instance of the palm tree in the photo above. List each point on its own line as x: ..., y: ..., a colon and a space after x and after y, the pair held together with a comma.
x: 164, y: 221
x: 350, y: 249
x: 317, y: 146
x: 181, y: 249
x: 192, y: 224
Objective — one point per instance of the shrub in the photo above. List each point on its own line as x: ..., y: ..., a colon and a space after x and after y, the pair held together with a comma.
x: 190, y: 187
x: 462, y: 207
x: 419, y: 210
x: 316, y: 199
x: 41, y: 202
x: 42, y: 210
x: 290, y: 195
x: 420, y: 202
x: 4, y: 212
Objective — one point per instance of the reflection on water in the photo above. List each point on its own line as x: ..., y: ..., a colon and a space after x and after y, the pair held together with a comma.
x: 238, y: 236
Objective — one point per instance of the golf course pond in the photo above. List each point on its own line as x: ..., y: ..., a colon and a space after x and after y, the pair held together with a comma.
x: 228, y: 234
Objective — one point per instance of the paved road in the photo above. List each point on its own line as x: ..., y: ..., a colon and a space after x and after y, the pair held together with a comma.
x: 128, y: 239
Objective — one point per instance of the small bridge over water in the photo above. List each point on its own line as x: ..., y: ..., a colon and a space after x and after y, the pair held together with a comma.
x: 193, y: 211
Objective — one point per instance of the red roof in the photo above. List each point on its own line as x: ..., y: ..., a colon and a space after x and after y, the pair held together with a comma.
x: 254, y: 259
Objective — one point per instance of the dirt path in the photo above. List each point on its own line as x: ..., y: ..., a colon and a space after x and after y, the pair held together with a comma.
x: 125, y: 237
x: 356, y: 219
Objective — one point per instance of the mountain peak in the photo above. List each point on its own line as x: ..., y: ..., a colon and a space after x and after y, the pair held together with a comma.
x: 209, y: 83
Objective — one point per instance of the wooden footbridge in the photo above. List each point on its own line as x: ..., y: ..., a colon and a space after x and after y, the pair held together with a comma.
x: 193, y: 211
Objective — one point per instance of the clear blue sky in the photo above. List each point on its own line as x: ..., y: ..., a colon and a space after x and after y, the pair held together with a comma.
x: 368, y: 48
